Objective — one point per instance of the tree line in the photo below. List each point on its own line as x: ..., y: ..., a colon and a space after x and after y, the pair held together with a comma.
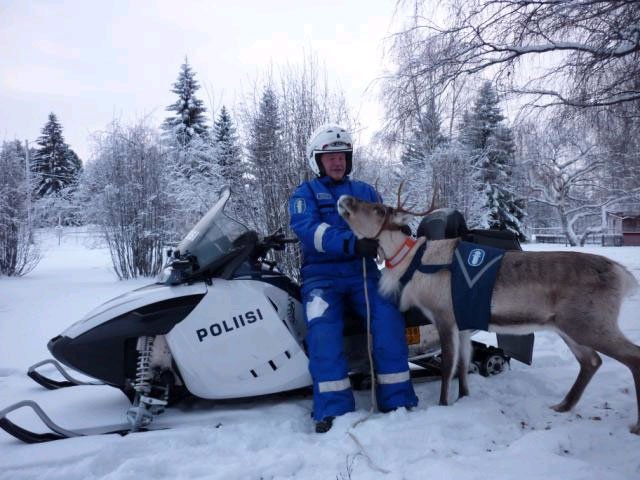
x: 570, y: 73
x: 145, y: 186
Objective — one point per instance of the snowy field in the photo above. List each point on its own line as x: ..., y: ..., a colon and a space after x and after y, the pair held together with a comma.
x: 504, y: 430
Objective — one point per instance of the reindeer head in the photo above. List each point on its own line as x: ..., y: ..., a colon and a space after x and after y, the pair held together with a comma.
x: 369, y: 220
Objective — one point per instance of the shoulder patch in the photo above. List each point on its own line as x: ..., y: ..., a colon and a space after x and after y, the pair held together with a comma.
x: 299, y: 205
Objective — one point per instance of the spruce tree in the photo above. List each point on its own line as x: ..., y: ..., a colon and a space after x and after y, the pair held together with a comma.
x: 74, y: 160
x: 264, y: 146
x: 492, y: 154
x: 413, y: 157
x: 420, y: 169
x: 225, y: 139
x: 425, y: 137
x: 54, y: 164
x: 189, y: 119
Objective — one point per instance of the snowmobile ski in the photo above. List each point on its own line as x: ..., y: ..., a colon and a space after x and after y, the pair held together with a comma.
x: 51, y: 384
x: 56, y: 431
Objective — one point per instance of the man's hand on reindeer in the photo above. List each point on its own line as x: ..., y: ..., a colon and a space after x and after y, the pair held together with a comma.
x: 367, y: 247
x: 406, y: 229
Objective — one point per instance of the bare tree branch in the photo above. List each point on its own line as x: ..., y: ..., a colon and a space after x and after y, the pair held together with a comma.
x: 589, y: 50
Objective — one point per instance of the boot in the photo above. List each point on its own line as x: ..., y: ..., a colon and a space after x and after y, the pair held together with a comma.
x: 324, y: 425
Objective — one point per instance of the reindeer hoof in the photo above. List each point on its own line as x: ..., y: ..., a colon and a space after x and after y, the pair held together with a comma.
x: 636, y: 429
x: 561, y: 407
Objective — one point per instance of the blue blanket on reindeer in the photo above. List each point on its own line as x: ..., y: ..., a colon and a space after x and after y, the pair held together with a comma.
x: 473, y: 274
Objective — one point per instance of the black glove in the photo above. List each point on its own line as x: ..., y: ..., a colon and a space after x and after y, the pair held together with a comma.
x: 406, y: 229
x: 367, y: 247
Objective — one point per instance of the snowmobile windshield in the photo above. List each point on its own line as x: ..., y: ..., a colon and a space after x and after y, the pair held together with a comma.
x: 215, y: 236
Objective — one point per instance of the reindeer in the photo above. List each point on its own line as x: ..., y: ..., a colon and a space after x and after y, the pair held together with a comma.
x: 577, y: 295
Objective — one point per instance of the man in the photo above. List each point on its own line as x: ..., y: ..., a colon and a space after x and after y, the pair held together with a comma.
x: 332, y: 276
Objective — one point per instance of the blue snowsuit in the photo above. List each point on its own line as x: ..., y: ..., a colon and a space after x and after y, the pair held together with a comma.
x: 332, y: 282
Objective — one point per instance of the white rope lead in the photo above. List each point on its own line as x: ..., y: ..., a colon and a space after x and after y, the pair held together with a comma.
x: 370, y: 462
x: 374, y: 400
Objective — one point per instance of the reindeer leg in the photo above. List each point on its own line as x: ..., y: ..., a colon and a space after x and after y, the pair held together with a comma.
x: 636, y: 379
x: 449, y: 343
x: 619, y: 347
x: 464, y: 357
x: 615, y: 345
x: 589, y: 361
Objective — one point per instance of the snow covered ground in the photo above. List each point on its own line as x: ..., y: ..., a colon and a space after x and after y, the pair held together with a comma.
x: 504, y: 430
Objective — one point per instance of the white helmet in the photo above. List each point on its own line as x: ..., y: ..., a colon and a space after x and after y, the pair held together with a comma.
x: 328, y: 138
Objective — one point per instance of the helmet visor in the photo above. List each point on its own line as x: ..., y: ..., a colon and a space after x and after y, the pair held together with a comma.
x: 336, y: 146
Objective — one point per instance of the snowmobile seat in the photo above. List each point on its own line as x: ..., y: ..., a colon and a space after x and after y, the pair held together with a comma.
x: 442, y: 223
x: 503, y: 239
x: 449, y: 223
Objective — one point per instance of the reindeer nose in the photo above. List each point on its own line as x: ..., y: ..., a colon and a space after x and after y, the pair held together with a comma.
x: 345, y: 202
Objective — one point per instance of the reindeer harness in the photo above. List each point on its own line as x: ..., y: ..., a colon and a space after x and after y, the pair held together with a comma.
x: 473, y: 275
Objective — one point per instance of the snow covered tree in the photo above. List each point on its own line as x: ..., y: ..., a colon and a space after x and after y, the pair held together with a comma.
x: 225, y: 139
x: 194, y: 181
x: 491, y: 152
x: 589, y: 51
x: 414, y: 157
x: 417, y: 172
x: 189, y: 119
x: 74, y: 160
x: 278, y: 120
x: 569, y: 174
x: 125, y: 187
x: 18, y: 254
x: 54, y: 165
x: 265, y: 146
x: 424, y: 138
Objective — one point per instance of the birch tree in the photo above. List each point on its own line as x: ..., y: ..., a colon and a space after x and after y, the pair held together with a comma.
x: 567, y: 174
x: 587, y: 53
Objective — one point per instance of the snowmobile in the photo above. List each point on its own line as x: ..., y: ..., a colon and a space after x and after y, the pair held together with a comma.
x: 221, y: 322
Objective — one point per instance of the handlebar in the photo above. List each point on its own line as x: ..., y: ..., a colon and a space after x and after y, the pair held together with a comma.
x: 276, y: 241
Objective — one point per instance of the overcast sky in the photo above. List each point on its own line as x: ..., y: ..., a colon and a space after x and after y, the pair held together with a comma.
x: 91, y: 61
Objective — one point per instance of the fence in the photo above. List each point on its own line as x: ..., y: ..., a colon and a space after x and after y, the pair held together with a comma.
x: 606, y: 240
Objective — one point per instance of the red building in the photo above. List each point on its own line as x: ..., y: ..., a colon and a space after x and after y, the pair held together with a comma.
x: 625, y: 223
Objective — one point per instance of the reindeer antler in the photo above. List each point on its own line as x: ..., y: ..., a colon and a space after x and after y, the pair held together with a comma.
x: 400, y: 202
x: 400, y: 208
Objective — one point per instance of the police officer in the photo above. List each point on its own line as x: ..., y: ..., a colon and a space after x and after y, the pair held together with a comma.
x: 332, y: 276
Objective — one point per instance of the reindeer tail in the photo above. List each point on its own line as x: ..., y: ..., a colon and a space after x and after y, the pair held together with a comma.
x: 629, y: 282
